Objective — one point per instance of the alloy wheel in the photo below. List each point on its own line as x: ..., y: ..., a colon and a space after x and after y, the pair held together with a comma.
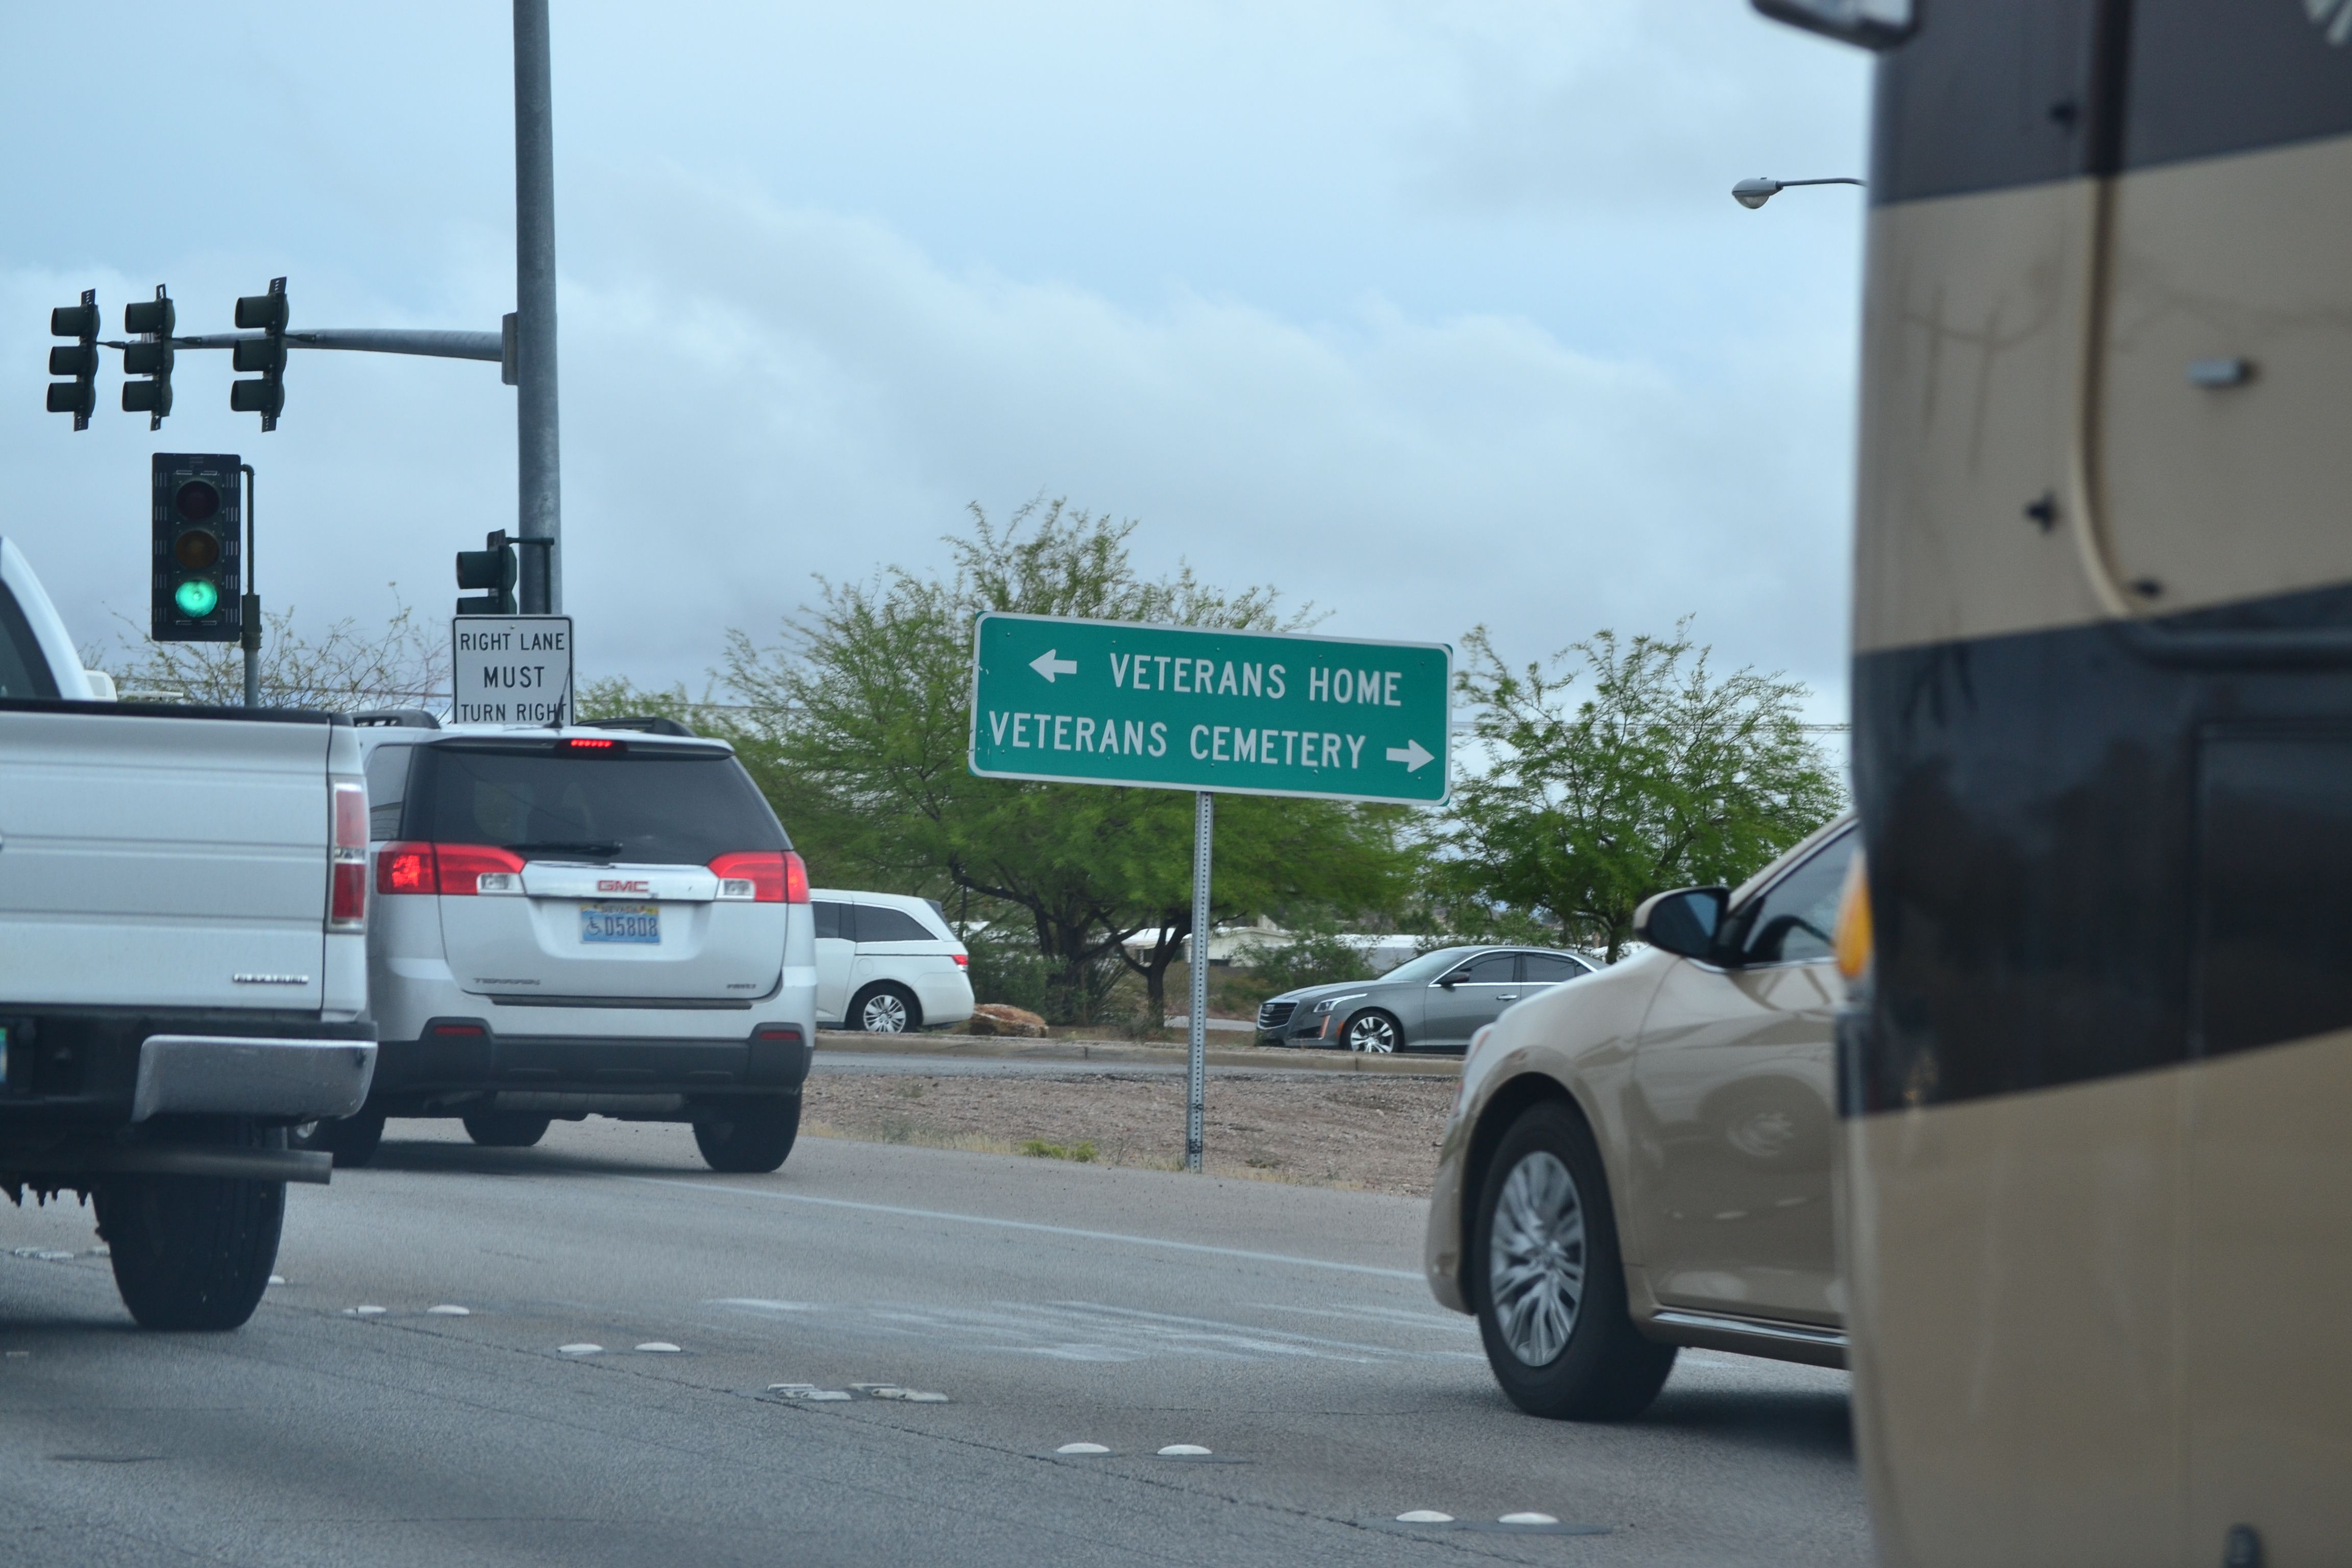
x: 1371, y: 1032
x: 1536, y: 1258
x: 884, y: 1013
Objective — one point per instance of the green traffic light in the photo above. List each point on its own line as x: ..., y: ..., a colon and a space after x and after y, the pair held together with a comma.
x: 197, y: 599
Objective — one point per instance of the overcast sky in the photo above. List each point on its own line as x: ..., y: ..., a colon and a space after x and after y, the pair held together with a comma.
x: 1434, y: 314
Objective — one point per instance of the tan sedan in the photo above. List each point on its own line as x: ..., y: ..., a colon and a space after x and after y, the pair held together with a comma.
x: 1639, y: 1159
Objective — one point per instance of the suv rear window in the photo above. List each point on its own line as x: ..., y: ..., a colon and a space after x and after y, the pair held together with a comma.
x: 634, y: 805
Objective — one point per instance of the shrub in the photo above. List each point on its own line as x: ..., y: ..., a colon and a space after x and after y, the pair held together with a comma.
x: 1038, y: 1149
x: 1317, y: 958
x: 1006, y: 967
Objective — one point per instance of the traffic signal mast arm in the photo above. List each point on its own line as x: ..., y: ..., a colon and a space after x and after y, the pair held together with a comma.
x: 361, y: 340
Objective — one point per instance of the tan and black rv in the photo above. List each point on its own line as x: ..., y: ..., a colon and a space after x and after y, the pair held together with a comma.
x: 2098, y: 1139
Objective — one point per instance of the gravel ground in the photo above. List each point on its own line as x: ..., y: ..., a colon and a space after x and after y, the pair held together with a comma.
x: 1377, y: 1134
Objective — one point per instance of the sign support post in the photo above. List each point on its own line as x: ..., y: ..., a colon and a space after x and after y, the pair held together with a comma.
x: 1196, y: 1078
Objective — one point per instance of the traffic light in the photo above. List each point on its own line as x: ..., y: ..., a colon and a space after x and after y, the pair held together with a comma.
x: 199, y: 553
x: 80, y: 361
x: 154, y: 320
x: 492, y: 567
x: 267, y: 354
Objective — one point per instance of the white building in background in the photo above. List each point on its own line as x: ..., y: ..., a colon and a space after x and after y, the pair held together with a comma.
x: 1383, y: 950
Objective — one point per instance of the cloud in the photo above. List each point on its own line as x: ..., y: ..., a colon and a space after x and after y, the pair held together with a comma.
x: 1435, y: 316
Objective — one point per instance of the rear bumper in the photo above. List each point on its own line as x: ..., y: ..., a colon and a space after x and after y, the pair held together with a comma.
x: 945, y: 997
x: 99, y: 1067
x: 229, y: 1075
x: 455, y: 1062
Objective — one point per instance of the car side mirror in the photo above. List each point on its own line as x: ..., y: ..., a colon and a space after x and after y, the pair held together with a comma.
x: 1685, y: 921
x: 1449, y: 982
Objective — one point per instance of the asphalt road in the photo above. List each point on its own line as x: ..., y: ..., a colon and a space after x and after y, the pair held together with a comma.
x: 1284, y: 1329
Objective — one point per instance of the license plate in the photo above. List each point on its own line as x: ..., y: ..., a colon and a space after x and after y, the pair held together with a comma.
x: 638, y: 923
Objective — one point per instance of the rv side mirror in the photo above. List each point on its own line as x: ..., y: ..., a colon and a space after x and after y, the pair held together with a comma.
x: 1684, y: 921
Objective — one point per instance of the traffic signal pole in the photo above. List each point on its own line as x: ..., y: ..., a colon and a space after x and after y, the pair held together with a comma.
x: 539, y: 517
x: 248, y: 633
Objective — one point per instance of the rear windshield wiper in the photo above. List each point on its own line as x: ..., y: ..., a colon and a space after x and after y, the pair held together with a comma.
x: 590, y: 849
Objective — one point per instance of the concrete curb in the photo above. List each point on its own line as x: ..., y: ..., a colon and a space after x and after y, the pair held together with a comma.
x: 1272, y: 1058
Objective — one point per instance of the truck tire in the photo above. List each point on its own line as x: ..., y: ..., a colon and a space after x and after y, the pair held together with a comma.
x: 506, y: 1129
x: 749, y: 1135
x: 351, y: 1139
x: 192, y: 1252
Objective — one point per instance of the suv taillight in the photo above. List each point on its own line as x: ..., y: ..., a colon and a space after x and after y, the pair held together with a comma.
x: 347, y: 858
x: 763, y: 875
x: 452, y: 870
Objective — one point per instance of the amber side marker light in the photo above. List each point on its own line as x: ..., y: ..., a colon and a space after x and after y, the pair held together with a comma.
x: 1853, y: 938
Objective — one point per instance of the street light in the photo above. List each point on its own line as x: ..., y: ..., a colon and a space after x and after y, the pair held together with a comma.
x: 1753, y: 194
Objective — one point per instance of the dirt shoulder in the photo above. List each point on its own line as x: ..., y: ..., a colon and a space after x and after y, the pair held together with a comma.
x: 1376, y: 1133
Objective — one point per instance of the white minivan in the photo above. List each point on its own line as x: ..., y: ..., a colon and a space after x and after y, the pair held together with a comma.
x: 886, y: 964
x: 593, y: 921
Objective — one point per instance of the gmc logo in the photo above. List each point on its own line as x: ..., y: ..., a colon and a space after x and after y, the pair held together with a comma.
x: 614, y: 885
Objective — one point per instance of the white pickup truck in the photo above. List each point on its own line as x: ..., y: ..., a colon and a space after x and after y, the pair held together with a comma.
x: 183, y: 963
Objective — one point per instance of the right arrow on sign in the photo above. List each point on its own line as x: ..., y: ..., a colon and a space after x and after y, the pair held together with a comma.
x: 1411, y: 755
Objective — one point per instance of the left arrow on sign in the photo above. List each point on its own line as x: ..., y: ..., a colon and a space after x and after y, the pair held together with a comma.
x: 1047, y: 664
x: 1411, y: 755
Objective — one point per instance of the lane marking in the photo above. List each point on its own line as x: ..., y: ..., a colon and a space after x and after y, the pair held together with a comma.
x: 761, y: 1303
x: 1033, y: 1225
x: 1387, y: 1317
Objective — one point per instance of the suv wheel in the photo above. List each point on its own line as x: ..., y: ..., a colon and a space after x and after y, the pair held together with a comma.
x: 749, y: 1135
x: 194, y: 1252
x: 885, y: 1010
x: 351, y: 1139
x: 506, y: 1129
x: 1548, y: 1280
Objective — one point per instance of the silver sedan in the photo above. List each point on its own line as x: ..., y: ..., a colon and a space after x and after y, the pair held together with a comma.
x: 1435, y: 1002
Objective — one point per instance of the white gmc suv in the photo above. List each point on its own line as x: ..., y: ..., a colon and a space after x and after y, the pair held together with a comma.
x: 587, y: 920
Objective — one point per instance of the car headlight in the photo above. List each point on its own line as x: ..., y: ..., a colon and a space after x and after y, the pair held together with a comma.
x: 1330, y: 1002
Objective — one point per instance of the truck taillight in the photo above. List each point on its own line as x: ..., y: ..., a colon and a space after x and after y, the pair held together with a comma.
x: 452, y: 870
x: 763, y: 875
x: 347, y: 859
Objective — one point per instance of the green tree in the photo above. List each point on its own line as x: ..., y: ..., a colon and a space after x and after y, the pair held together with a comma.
x: 858, y: 724
x: 1651, y: 773
x: 347, y: 668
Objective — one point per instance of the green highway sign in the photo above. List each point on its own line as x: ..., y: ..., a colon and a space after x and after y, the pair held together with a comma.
x: 1111, y: 702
